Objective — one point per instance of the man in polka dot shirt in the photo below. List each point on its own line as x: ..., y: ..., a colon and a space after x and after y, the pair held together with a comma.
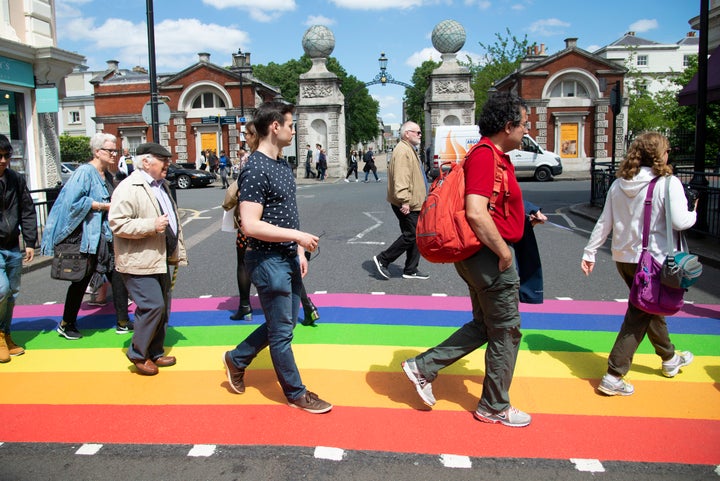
x: 275, y: 256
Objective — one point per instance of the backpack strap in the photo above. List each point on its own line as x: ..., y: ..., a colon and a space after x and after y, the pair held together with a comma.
x: 500, y: 178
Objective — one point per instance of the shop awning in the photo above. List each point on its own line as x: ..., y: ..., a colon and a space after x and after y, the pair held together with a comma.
x: 688, y: 95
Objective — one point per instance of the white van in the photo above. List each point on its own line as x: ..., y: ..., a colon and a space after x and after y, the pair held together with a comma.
x: 530, y: 160
x: 452, y: 142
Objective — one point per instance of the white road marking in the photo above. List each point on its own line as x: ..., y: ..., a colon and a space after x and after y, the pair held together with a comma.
x: 438, y: 294
x: 331, y: 454
x: 357, y: 238
x: 202, y: 450
x: 89, y: 449
x: 455, y: 461
x: 588, y: 465
x: 564, y: 298
x: 377, y: 293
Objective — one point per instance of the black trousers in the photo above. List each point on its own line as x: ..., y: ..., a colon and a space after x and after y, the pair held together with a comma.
x: 405, y: 244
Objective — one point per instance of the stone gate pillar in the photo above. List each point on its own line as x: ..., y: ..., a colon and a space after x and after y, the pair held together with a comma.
x: 320, y: 106
x: 449, y: 99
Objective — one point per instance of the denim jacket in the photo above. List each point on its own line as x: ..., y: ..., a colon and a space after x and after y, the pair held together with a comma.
x: 73, y: 206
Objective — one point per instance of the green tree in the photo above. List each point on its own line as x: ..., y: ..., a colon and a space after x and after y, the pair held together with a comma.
x: 75, y: 149
x: 684, y: 118
x: 501, y: 58
x: 361, y: 109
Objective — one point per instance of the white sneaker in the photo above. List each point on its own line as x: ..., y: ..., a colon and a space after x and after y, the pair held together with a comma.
x: 680, y: 359
x: 346, y: 180
x: 613, y: 386
x: 423, y: 387
x: 510, y: 417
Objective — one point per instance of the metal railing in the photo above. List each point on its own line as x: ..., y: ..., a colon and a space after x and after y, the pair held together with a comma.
x: 706, y: 183
x: 44, y: 200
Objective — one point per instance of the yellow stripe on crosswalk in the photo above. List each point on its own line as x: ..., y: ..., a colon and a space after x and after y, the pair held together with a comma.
x: 545, y: 364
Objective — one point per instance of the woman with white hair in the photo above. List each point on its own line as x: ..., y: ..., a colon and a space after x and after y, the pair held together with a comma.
x: 79, y: 215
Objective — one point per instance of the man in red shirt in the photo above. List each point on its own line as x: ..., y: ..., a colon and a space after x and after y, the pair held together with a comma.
x: 490, y: 274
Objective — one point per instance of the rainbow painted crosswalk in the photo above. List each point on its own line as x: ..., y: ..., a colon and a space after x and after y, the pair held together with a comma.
x: 86, y: 390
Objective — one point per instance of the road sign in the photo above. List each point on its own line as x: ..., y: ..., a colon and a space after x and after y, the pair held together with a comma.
x: 163, y: 113
x: 242, y: 120
x: 210, y: 120
x: 228, y: 119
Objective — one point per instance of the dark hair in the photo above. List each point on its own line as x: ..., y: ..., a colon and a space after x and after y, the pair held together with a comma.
x: 5, y: 145
x: 500, y: 109
x: 270, y: 112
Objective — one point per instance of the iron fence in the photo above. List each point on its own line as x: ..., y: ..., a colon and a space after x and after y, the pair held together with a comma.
x: 706, y: 183
x: 44, y: 200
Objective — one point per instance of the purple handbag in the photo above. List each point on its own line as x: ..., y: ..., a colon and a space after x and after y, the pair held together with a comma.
x: 647, y: 292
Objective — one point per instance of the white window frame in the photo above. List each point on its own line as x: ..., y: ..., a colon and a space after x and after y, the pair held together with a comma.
x: 642, y: 61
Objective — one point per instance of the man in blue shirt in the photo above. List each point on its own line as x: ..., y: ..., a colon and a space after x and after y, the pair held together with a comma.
x: 274, y: 258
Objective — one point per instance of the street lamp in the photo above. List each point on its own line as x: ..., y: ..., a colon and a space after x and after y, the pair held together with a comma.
x: 382, y: 76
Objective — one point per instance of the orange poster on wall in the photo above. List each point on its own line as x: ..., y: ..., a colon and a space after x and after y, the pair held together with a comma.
x: 568, y: 140
x: 208, y: 140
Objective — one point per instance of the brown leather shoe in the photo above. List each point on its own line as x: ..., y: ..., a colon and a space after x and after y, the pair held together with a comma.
x: 14, y: 349
x: 146, y: 367
x: 165, y: 361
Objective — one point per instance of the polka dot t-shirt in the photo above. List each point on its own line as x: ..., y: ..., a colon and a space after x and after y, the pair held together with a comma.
x: 271, y: 183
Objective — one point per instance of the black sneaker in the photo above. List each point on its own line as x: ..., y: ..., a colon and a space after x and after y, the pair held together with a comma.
x: 382, y: 270
x: 416, y: 275
x: 69, y: 331
x: 126, y: 328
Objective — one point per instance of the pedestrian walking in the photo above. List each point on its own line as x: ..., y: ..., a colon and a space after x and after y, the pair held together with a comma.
x: 490, y: 274
x: 622, y: 215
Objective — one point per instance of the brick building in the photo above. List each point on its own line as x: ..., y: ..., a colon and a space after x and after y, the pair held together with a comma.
x: 206, y: 102
x: 568, y: 94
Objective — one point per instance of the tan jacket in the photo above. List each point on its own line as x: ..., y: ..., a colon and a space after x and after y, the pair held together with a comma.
x: 138, y: 248
x: 405, y: 178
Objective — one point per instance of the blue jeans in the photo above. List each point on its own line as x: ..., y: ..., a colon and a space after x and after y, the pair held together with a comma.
x: 10, y: 270
x: 278, y: 282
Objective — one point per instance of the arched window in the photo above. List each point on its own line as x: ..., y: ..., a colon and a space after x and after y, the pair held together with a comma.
x: 569, y: 88
x: 208, y: 100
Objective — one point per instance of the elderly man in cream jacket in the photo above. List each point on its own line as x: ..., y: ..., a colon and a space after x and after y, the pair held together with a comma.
x: 406, y: 192
x: 148, y: 239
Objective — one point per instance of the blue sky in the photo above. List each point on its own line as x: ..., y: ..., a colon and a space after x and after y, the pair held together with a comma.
x: 272, y: 30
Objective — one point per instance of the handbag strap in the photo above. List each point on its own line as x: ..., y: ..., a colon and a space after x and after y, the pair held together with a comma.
x: 647, y: 213
x: 668, y: 219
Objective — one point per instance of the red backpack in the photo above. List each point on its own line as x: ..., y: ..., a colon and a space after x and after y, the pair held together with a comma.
x: 443, y: 234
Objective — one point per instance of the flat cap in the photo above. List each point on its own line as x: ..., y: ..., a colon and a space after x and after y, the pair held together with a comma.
x: 153, y: 149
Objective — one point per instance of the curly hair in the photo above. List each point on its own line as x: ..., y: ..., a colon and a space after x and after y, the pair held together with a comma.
x: 647, y: 150
x: 500, y: 109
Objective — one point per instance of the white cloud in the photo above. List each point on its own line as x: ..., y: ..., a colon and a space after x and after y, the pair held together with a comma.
x: 643, y: 25
x: 177, y: 42
x: 481, y: 4
x: 593, y: 48
x: 417, y: 58
x: 548, y: 27
x: 377, y: 4
x: 319, y: 20
x: 262, y: 11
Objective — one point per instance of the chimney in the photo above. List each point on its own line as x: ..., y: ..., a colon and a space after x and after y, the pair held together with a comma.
x: 542, y: 49
x: 571, y: 43
x: 139, y: 69
x: 691, y: 34
x: 203, y: 57
x: 630, y: 34
x: 247, y: 58
x: 112, y: 64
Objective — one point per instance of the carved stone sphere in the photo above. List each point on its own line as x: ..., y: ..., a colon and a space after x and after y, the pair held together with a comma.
x: 318, y: 41
x: 448, y: 36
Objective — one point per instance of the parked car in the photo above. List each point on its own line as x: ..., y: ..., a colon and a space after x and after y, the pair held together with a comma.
x: 531, y: 161
x: 66, y: 170
x: 184, y: 178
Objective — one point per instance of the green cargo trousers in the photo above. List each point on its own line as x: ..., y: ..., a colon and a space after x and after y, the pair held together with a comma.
x: 496, y: 321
